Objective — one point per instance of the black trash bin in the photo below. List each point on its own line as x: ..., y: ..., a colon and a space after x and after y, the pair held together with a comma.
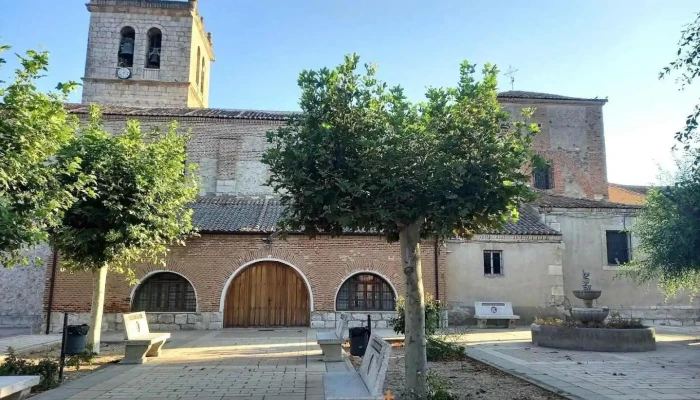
x: 76, y: 336
x: 359, y: 337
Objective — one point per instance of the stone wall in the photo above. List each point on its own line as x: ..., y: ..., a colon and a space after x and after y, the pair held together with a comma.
x: 165, y: 322
x: 171, y: 85
x: 671, y: 315
x: 22, y: 291
x: 327, y: 320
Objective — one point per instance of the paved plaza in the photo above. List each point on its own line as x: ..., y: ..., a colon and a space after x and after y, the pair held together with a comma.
x: 21, y: 340
x: 231, y: 363
x: 670, y: 372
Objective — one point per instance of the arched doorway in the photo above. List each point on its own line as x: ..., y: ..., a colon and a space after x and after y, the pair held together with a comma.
x: 267, y: 293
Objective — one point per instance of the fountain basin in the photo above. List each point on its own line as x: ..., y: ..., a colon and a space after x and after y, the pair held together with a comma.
x: 590, y: 314
x: 587, y: 294
x: 594, y: 339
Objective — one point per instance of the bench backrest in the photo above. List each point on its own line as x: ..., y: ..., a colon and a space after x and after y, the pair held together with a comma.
x: 495, y: 308
x: 341, y: 325
x: 374, y: 364
x: 135, y: 325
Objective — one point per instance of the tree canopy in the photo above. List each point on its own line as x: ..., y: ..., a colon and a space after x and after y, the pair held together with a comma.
x: 361, y: 157
x: 138, y: 204
x: 34, y: 126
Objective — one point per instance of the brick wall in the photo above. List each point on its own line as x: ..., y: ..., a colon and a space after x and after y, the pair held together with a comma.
x: 210, y: 260
x: 572, y: 138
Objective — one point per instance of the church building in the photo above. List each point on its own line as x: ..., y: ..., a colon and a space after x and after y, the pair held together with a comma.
x: 151, y: 61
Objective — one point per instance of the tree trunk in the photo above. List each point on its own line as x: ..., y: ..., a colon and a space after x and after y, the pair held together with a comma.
x: 99, y: 281
x: 415, y: 358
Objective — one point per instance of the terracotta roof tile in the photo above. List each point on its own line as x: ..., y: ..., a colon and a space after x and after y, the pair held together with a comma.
x: 555, y: 201
x: 520, y: 94
x: 218, y: 113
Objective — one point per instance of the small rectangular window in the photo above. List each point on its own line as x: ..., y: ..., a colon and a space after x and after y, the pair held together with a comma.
x: 618, y: 247
x: 493, y: 262
x: 543, y: 177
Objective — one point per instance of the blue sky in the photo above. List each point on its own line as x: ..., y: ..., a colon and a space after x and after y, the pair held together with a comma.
x: 576, y: 48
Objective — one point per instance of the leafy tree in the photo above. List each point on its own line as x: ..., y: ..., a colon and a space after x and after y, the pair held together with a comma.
x: 33, y: 127
x: 361, y: 157
x: 687, y: 64
x: 137, y: 206
x: 668, y: 229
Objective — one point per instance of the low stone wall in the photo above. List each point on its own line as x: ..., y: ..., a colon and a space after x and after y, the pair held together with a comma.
x: 167, y: 322
x: 460, y: 314
x: 594, y: 339
x: 326, y: 319
x: 661, y: 315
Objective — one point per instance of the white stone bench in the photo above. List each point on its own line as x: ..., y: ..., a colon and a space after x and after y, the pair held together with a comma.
x: 368, y: 382
x: 17, y: 387
x: 486, y: 310
x: 140, y: 342
x: 332, y: 342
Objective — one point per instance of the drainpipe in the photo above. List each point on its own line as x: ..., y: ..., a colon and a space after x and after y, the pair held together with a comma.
x: 54, y: 264
x: 436, y: 251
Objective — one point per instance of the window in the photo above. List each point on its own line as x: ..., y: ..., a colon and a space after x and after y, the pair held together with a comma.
x: 155, y: 38
x: 543, y: 177
x: 165, y: 292
x: 201, y: 88
x: 198, y: 65
x: 126, y: 47
x: 493, y: 263
x: 365, y: 292
x: 618, y: 247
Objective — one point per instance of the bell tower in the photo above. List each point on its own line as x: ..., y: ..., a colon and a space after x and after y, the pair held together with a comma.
x: 147, y: 53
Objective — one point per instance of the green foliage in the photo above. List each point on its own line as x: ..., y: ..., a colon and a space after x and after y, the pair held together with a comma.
x: 34, y: 126
x: 687, y: 64
x: 137, y: 204
x: 361, y: 157
x: 46, y: 368
x: 438, y: 349
x: 433, y: 310
x: 86, y: 357
x: 615, y: 321
x: 668, y: 229
x: 438, y: 389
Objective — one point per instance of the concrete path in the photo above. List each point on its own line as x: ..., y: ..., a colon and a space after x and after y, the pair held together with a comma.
x: 280, y: 364
x: 7, y: 332
x: 25, y: 342
x: 670, y: 372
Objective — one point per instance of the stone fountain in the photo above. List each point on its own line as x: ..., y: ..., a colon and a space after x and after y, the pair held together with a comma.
x: 588, y: 314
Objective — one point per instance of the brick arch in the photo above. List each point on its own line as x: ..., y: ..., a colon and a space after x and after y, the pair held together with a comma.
x: 156, y: 271
x: 238, y: 264
x: 368, y: 272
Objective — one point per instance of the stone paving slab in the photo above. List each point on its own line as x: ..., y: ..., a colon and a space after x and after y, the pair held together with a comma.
x: 284, y: 364
x: 671, y: 372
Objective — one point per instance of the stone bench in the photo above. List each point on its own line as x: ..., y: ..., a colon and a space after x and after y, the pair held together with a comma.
x: 486, y: 310
x: 17, y: 387
x: 365, y: 384
x: 331, y: 342
x: 140, y: 342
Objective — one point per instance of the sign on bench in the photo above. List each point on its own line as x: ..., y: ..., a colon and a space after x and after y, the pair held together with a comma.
x: 486, y: 310
x: 331, y: 342
x: 368, y: 382
x: 140, y: 342
x: 17, y: 387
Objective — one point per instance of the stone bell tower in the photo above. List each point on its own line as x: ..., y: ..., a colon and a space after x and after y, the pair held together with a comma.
x: 147, y: 53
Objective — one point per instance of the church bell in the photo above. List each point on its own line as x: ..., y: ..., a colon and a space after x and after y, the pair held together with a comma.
x: 154, y: 58
x: 127, y: 48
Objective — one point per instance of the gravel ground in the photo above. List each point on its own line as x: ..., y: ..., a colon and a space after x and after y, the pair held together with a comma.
x: 468, y: 379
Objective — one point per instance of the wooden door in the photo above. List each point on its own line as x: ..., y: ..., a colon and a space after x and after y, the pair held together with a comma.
x: 267, y: 294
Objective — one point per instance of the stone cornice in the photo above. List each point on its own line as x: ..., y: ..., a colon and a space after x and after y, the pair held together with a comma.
x: 137, y: 82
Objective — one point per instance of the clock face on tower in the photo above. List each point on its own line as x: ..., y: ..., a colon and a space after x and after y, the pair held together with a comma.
x: 123, y: 73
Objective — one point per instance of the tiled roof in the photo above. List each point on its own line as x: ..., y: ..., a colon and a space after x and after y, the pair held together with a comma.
x: 643, y: 190
x: 519, y: 94
x: 217, y: 113
x: 555, y: 201
x: 226, y: 214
